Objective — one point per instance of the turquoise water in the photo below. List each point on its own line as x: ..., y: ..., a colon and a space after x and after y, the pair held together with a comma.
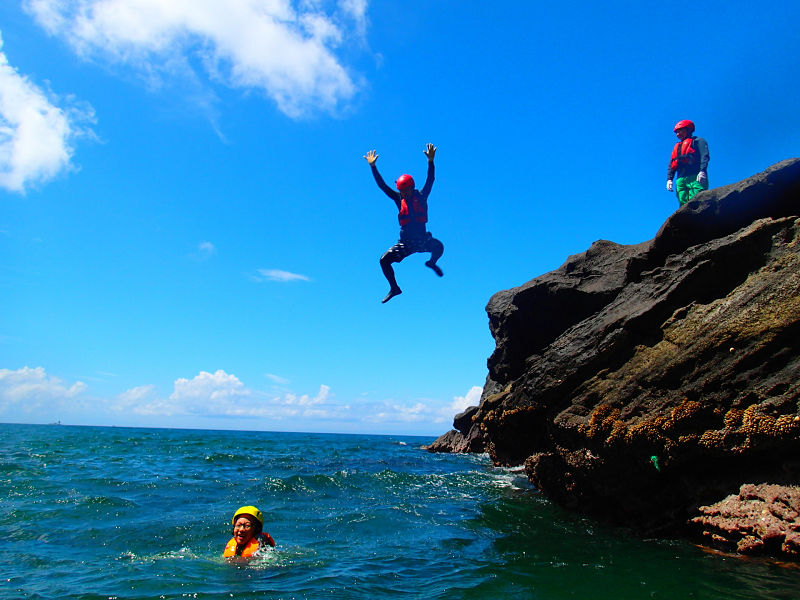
x: 143, y: 513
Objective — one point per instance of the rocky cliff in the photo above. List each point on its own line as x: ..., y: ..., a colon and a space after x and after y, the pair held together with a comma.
x: 658, y: 385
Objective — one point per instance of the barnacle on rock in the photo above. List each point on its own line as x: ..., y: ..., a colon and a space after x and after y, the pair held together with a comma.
x: 712, y: 439
x: 757, y: 423
x: 600, y: 421
x: 733, y: 418
x: 787, y: 425
x: 609, y: 423
x: 747, y: 427
x: 647, y: 430
x: 685, y: 411
x: 519, y: 410
x: 618, y: 432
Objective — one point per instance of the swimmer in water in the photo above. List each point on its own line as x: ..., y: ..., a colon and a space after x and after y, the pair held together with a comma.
x: 248, y: 535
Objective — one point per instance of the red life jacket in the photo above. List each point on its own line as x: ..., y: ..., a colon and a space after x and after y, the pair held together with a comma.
x: 418, y: 212
x: 683, y: 154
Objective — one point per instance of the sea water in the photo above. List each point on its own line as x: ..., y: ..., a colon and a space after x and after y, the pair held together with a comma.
x: 101, y: 513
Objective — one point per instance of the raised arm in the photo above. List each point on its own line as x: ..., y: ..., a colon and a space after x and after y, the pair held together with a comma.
x: 430, y: 152
x: 371, y: 157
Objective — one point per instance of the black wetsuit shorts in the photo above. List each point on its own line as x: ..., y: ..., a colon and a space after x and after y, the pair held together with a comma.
x: 409, y: 244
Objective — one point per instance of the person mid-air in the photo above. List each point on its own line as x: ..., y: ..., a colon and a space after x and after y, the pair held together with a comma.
x: 412, y: 213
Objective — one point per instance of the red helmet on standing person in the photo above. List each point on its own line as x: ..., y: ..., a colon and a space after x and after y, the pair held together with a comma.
x: 684, y: 123
x: 404, y: 182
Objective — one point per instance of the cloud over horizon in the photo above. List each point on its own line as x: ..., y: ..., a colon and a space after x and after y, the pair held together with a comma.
x: 32, y: 390
x: 422, y: 411
x: 281, y: 47
x: 223, y: 395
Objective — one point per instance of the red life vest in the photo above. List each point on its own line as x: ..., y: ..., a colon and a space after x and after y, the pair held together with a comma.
x: 683, y: 154
x: 418, y: 212
x: 250, y: 548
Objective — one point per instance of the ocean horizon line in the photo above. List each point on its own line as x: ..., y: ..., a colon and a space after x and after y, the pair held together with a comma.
x: 218, y: 430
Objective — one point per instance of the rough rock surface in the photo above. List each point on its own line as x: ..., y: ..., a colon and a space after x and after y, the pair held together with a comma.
x: 638, y: 383
x: 758, y: 518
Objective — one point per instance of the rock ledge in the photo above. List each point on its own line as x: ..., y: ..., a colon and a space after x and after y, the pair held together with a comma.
x: 649, y: 384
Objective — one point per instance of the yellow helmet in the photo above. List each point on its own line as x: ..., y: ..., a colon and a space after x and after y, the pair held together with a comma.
x: 248, y: 510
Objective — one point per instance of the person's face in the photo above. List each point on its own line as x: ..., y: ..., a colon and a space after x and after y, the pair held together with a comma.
x: 406, y: 192
x: 243, y: 530
x: 682, y: 133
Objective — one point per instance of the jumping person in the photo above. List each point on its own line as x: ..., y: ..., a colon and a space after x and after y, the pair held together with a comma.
x: 689, y: 161
x: 248, y: 535
x: 412, y: 213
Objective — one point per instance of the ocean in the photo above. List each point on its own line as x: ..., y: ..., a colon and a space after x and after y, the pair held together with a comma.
x: 124, y: 513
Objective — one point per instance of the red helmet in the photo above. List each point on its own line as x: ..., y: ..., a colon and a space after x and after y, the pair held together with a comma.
x: 404, y: 182
x: 684, y: 123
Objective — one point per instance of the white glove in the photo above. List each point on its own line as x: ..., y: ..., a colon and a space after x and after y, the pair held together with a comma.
x: 702, y: 177
x: 669, y: 185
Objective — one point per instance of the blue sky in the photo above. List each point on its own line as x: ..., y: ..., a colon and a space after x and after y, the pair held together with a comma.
x: 189, y: 235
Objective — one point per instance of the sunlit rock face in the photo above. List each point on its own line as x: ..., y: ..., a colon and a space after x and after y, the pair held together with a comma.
x: 639, y: 383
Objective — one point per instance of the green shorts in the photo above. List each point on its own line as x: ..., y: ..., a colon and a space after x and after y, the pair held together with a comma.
x: 687, y: 187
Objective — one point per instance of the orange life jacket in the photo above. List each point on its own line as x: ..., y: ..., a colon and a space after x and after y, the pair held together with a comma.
x: 683, y: 154
x: 418, y: 212
x: 250, y: 548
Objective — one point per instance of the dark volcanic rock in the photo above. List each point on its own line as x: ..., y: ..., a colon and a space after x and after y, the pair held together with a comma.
x: 637, y: 383
x: 452, y: 441
x: 456, y: 441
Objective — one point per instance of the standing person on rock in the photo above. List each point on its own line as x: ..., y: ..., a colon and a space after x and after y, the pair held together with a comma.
x: 689, y: 161
x: 412, y: 207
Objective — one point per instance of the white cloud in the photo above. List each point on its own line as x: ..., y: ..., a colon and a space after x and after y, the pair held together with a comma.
x: 217, y: 398
x: 422, y: 411
x: 32, y: 390
x: 223, y: 395
x: 414, y: 413
x: 281, y: 47
x: 357, y: 9
x: 36, y: 136
x: 137, y: 394
x: 206, y: 248
x: 209, y: 386
x: 461, y: 403
x: 204, y: 251
x: 142, y: 400
x: 278, y: 275
x: 305, y: 400
x: 277, y: 379
x: 207, y: 394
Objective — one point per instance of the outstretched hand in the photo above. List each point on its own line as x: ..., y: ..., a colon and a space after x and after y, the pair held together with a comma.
x: 371, y: 157
x: 430, y: 151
